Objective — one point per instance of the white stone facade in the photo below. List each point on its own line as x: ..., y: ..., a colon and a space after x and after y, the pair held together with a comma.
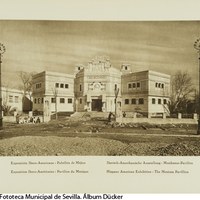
x: 146, y: 92
x: 52, y: 92
x: 95, y: 86
x: 98, y: 85
x: 12, y: 98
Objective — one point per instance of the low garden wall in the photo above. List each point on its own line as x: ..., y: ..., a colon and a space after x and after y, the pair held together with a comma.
x: 9, y: 119
x: 157, y: 120
x: 13, y: 119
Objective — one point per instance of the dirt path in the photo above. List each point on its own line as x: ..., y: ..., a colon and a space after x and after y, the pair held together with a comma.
x: 95, y: 138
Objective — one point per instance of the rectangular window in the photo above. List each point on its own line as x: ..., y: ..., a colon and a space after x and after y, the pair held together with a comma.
x: 134, y: 85
x: 35, y: 100
x: 80, y: 101
x: 38, y: 85
x: 62, y: 100
x: 159, y: 101
x: 57, y: 85
x: 10, y: 99
x: 129, y: 85
x: 38, y: 100
x: 156, y: 84
x: 61, y: 85
x: 138, y: 84
x: 66, y: 85
x: 42, y: 100
x: 162, y: 86
x: 115, y: 86
x: 141, y: 101
x: 69, y: 100
x: 164, y: 101
x: 133, y: 101
x: 53, y: 100
x: 80, y: 87
x: 126, y: 101
x: 16, y: 99
x: 153, y: 101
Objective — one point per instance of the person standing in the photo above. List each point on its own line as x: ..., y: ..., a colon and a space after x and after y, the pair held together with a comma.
x: 17, y: 118
x: 109, y: 116
x: 124, y: 114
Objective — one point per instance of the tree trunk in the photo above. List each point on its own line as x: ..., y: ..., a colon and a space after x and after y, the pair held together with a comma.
x: 56, y: 113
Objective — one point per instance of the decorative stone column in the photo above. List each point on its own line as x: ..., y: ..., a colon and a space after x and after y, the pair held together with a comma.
x: 46, y: 113
x: 103, y: 106
x: 164, y: 115
x: 149, y: 115
x: 179, y: 116
x: 118, y: 110
x: 15, y: 113
x: 30, y: 113
x: 195, y: 116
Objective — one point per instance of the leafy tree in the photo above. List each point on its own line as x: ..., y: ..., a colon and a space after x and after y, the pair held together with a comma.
x: 181, y: 90
x: 26, y: 85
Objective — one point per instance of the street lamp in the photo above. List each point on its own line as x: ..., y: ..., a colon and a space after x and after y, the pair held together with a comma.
x: 2, y: 51
x: 197, y: 47
x: 116, y: 95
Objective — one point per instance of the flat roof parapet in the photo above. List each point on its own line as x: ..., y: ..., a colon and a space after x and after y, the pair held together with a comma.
x: 150, y: 72
x: 50, y: 73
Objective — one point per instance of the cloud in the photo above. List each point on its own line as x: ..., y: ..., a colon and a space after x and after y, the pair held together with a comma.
x: 61, y: 45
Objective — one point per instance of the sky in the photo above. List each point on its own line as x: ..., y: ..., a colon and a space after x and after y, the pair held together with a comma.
x: 35, y: 46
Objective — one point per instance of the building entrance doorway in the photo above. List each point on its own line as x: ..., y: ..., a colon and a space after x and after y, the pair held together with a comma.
x: 97, y: 105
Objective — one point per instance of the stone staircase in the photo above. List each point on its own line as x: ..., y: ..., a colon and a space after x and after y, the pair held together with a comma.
x: 77, y: 115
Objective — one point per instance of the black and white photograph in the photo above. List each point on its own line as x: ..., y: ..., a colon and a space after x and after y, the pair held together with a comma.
x: 99, y: 88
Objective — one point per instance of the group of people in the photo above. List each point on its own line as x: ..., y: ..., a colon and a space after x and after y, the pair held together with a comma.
x: 25, y: 120
x: 35, y: 120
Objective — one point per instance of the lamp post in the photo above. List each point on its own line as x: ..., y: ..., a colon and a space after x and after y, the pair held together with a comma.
x: 2, y: 51
x: 116, y: 95
x: 197, y: 47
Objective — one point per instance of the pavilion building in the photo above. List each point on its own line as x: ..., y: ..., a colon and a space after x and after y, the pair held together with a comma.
x: 98, y: 86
